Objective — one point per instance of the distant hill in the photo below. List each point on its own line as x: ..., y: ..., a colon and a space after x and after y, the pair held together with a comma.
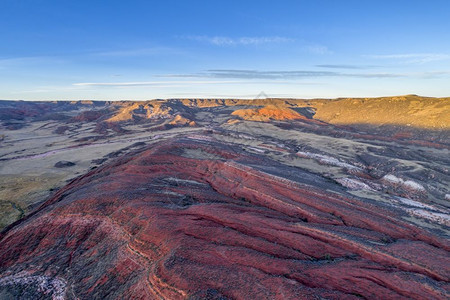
x: 409, y: 110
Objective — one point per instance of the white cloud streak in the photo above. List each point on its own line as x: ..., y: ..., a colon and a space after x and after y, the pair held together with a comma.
x: 252, y: 77
x: 279, y: 75
x: 413, y: 58
x: 140, y: 52
x: 245, y: 41
x: 150, y: 83
x: 26, y: 61
x: 318, y: 49
x: 302, y: 74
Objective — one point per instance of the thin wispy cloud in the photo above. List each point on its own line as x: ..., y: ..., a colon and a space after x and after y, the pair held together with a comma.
x: 413, y: 58
x: 149, y: 83
x: 434, y: 74
x: 31, y: 60
x: 301, y: 74
x: 376, y: 75
x: 280, y: 75
x: 217, y: 77
x: 253, y: 74
x: 318, y: 49
x: 139, y: 52
x: 246, y: 41
x: 350, y: 67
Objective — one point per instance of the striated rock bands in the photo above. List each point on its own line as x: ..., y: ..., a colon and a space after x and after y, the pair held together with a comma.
x: 268, y: 113
x: 194, y: 218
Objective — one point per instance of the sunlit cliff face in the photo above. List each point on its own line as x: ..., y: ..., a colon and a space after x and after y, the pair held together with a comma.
x: 411, y: 110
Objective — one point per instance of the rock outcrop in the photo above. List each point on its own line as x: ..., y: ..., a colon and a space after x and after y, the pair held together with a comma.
x: 64, y: 164
x: 179, y: 120
x: 268, y: 113
x: 201, y: 219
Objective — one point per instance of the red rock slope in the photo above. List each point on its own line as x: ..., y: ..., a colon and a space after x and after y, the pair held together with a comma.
x: 192, y: 219
x: 267, y: 113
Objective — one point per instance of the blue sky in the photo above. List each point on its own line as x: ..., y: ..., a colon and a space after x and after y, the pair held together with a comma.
x: 60, y: 49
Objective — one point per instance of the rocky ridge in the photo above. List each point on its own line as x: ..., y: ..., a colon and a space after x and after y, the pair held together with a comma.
x: 192, y: 218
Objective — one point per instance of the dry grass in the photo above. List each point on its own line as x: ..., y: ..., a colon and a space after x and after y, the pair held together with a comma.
x: 421, y: 112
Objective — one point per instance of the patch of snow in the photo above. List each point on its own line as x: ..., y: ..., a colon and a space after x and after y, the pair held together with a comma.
x: 413, y: 203
x: 440, y: 218
x: 406, y: 183
x: 282, y: 146
x: 327, y: 160
x: 165, y: 192
x: 414, y: 185
x: 392, y: 178
x: 256, y: 149
x: 45, y: 285
x: 353, y: 184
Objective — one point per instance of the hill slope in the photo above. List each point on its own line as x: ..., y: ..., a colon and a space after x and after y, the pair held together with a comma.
x: 193, y: 218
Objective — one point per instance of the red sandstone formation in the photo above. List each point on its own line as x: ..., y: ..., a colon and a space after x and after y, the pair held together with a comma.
x: 267, y: 113
x: 193, y: 219
x: 179, y: 120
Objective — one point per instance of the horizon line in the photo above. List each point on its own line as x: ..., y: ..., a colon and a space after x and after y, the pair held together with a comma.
x: 227, y: 98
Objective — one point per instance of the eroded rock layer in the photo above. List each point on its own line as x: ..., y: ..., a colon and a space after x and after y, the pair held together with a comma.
x: 197, y: 218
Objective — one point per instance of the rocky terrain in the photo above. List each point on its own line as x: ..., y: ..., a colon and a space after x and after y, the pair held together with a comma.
x: 225, y: 199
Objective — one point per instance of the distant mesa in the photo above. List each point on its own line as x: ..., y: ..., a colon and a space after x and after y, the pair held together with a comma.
x: 410, y: 110
x: 83, y: 102
x: 143, y: 110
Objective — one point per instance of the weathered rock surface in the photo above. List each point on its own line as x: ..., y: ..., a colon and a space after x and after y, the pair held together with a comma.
x: 267, y: 113
x: 196, y: 218
x: 64, y: 164
x: 227, y: 198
